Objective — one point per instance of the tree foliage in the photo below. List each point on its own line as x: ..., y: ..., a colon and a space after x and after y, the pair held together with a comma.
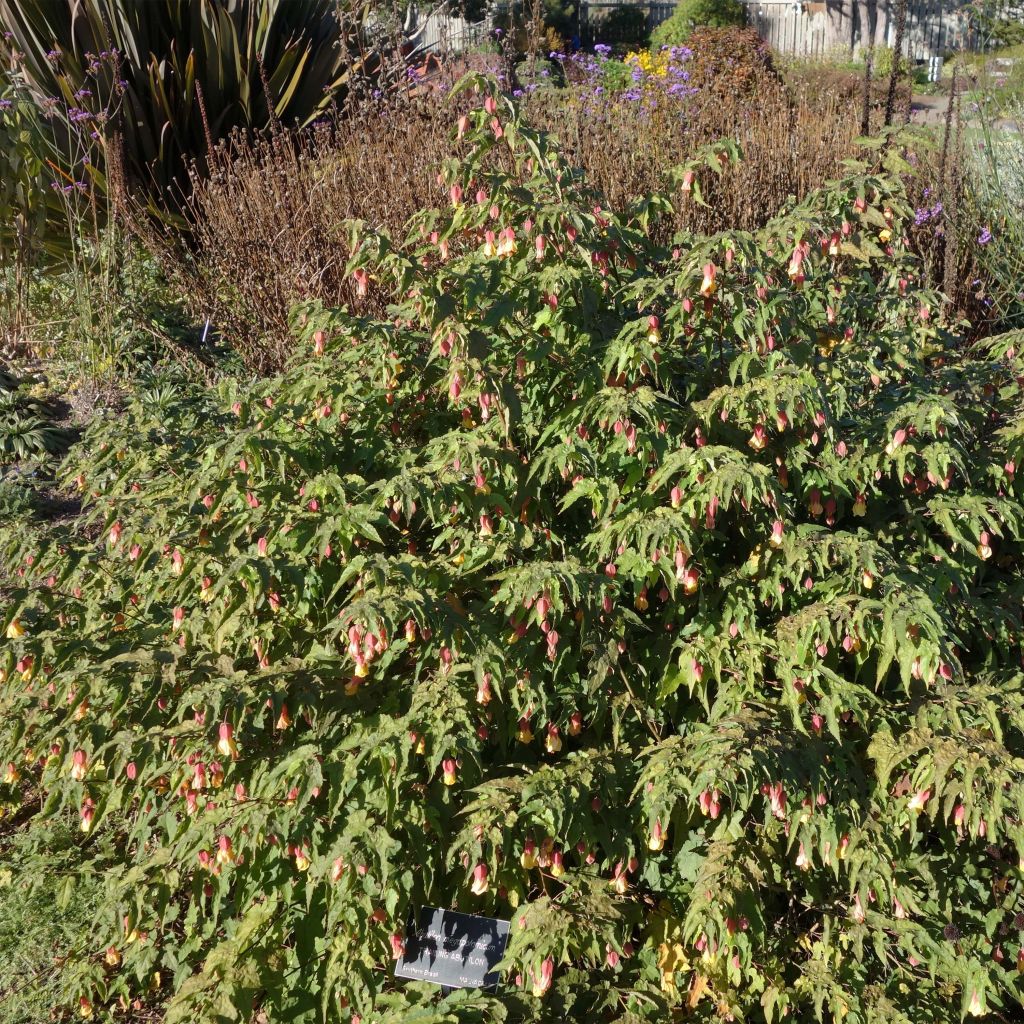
x: 691, y: 14
x: 663, y: 600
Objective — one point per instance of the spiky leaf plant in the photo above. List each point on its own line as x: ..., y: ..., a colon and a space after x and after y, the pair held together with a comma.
x: 168, y: 77
x: 27, y: 427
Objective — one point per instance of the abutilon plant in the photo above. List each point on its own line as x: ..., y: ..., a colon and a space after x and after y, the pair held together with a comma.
x: 634, y: 595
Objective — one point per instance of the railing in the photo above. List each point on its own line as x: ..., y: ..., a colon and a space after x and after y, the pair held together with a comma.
x: 603, y: 21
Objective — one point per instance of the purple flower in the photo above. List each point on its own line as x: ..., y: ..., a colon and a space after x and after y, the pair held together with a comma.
x: 985, y: 237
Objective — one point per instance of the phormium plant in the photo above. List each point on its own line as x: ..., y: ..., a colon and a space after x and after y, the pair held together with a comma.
x: 664, y: 600
x: 167, y: 79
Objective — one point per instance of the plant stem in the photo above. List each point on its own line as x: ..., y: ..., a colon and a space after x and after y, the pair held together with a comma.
x: 897, y: 60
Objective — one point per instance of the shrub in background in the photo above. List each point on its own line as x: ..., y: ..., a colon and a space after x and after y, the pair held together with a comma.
x: 731, y: 61
x: 627, y: 142
x: 691, y: 14
x: 523, y: 21
x: 561, y: 16
x: 1005, y: 32
x: 882, y: 58
x: 664, y: 600
x: 989, y: 21
x: 810, y: 79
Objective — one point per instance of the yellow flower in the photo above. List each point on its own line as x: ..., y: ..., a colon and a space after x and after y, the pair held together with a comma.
x: 671, y: 960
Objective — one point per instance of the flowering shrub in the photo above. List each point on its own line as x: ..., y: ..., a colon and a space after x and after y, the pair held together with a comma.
x: 665, y: 69
x: 664, y: 600
x: 658, y: 79
x: 691, y: 14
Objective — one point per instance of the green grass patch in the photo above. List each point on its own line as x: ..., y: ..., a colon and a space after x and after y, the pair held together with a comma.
x: 47, y: 910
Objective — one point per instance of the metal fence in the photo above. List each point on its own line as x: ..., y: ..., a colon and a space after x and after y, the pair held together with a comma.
x: 620, y: 23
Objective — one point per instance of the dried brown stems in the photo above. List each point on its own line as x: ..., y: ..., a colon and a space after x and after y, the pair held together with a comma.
x: 269, y: 221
